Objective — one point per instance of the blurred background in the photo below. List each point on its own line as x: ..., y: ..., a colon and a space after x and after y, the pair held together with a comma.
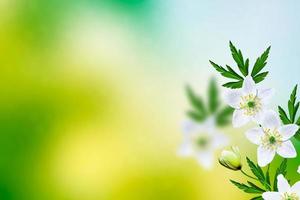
x: 92, y: 93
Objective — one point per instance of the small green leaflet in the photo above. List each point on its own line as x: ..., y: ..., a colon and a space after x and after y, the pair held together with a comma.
x: 243, y: 66
x: 200, y: 111
x: 293, y: 108
x: 251, y: 188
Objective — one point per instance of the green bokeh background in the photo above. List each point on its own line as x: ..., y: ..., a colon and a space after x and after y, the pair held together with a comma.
x: 92, y: 93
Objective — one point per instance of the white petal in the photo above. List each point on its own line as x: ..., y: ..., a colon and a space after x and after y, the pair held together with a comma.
x: 185, y: 149
x: 271, y: 196
x: 249, y: 86
x: 265, y: 95
x: 287, y: 150
x: 258, y: 117
x: 254, y: 135
x: 288, y: 131
x: 205, y: 159
x: 209, y: 125
x: 233, y: 97
x: 296, y: 188
x: 239, y: 118
x: 283, y: 184
x: 270, y: 120
x: 220, y: 140
x: 264, y: 156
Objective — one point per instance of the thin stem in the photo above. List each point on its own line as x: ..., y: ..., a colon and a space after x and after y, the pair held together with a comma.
x: 249, y: 175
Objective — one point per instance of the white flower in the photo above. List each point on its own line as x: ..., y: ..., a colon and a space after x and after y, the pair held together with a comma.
x: 272, y: 138
x: 285, y: 191
x: 201, y: 141
x: 249, y: 102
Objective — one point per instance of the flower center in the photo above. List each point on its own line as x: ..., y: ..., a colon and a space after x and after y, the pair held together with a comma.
x: 251, y: 104
x: 202, y: 141
x: 271, y: 139
x: 290, y: 196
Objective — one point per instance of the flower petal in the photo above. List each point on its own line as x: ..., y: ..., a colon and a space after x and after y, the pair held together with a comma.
x: 233, y: 97
x: 206, y: 159
x: 264, y: 156
x: 239, y: 118
x: 249, y: 86
x: 296, y: 188
x: 271, y: 196
x: 209, y: 125
x: 254, y: 135
x: 283, y: 184
x: 270, y: 120
x: 265, y: 95
x: 185, y: 149
x: 219, y: 140
x: 287, y: 150
x: 288, y: 131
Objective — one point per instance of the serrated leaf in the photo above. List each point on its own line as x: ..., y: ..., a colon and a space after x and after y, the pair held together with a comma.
x: 260, y: 77
x: 280, y: 170
x: 230, y: 73
x: 238, y: 57
x: 196, y: 102
x: 268, y: 178
x: 233, y: 85
x: 246, y: 188
x: 224, y: 116
x: 257, y: 171
x: 213, y: 98
x: 260, y: 62
x: 283, y: 116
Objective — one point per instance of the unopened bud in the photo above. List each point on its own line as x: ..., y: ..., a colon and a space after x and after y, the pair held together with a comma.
x: 231, y: 159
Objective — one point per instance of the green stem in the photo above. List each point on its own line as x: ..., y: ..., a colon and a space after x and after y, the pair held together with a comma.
x: 249, y: 175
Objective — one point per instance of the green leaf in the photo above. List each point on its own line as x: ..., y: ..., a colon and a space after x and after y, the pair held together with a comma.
x: 257, y: 198
x: 224, y: 116
x: 233, y: 85
x: 246, y: 188
x: 196, y: 102
x: 255, y: 186
x: 196, y: 116
x: 257, y: 171
x: 238, y: 57
x: 280, y: 170
x: 268, y: 181
x: 283, y: 116
x: 260, y: 77
x: 291, y: 104
x: 213, y: 96
x: 230, y: 73
x: 260, y: 62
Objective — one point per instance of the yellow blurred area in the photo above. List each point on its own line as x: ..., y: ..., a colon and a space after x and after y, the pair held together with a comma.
x: 83, y: 117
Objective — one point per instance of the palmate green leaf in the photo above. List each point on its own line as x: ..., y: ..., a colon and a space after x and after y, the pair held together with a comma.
x: 268, y: 180
x: 246, y: 188
x: 223, y: 117
x: 243, y: 67
x: 282, y: 169
x: 257, y: 171
x: 238, y: 57
x: 256, y: 187
x: 213, y: 96
x: 261, y: 62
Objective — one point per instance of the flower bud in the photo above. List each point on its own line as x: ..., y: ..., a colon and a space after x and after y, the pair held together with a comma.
x: 231, y: 159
